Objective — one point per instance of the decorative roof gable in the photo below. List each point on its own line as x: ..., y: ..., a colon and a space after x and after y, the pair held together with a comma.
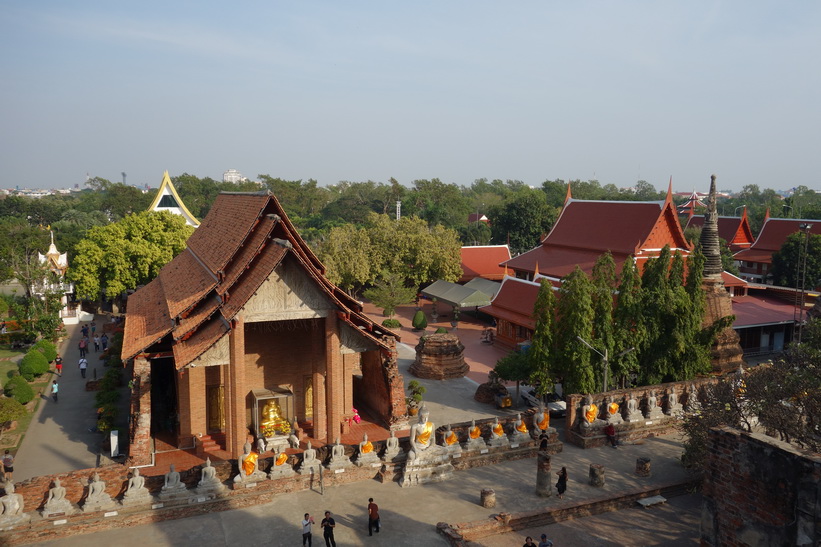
x: 167, y: 199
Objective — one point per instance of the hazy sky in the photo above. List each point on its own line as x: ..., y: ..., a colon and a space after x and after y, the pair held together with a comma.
x: 617, y: 91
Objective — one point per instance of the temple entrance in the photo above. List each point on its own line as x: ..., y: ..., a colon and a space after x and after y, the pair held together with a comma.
x: 215, y: 408
x: 164, y: 417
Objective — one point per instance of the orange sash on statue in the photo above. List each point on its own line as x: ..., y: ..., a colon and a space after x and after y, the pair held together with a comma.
x: 591, y: 413
x: 451, y: 439
x: 250, y: 463
x: 522, y: 427
x: 613, y: 408
x: 367, y: 447
x: 423, y: 437
x: 545, y: 423
x: 498, y: 430
x: 475, y: 433
x: 281, y: 458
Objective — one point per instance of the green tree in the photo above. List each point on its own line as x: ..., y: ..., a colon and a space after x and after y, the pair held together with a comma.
x: 346, y: 253
x: 790, y: 259
x: 118, y: 257
x: 438, y: 203
x: 522, y: 220
x: 628, y: 328
x: 604, y: 285
x: 575, y: 310
x: 515, y: 367
x: 18, y: 389
x: 390, y: 292
x: 541, y: 352
x: 33, y: 364
x: 10, y: 410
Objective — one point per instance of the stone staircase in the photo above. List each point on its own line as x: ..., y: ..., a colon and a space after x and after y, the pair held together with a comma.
x: 212, y: 442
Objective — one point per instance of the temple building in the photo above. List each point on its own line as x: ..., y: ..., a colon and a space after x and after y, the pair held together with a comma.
x: 585, y: 230
x: 55, y: 282
x: 736, y: 231
x: 242, y: 334
x: 755, y: 262
x: 689, y: 206
x: 484, y: 261
x: 167, y: 199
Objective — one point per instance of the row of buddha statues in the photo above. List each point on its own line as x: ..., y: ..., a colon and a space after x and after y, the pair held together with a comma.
x: 631, y: 411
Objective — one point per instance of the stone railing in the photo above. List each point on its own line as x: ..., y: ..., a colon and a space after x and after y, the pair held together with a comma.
x: 671, y: 401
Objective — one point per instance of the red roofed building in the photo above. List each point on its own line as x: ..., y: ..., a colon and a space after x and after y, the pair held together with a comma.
x: 484, y: 261
x: 735, y: 231
x: 243, y: 329
x: 513, y: 310
x: 585, y: 230
x: 689, y: 206
x: 754, y: 263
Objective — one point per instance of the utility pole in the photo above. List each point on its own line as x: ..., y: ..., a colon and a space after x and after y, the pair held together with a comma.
x: 605, y: 360
x: 804, y: 227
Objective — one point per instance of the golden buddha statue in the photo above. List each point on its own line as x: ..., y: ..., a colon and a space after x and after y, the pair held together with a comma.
x: 273, y: 423
x: 475, y: 432
x: 591, y: 413
x: 451, y: 439
x: 498, y: 430
x: 612, y: 408
x: 281, y: 458
x: 521, y: 426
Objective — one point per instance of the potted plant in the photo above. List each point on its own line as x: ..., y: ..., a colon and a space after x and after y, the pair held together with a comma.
x: 414, y: 398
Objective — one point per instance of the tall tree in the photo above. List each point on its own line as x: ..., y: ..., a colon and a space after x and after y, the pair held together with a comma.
x: 541, y: 352
x: 575, y: 308
x: 346, y: 254
x: 522, y: 220
x: 604, y: 285
x: 788, y: 262
x: 389, y: 291
x: 127, y: 253
x: 628, y: 327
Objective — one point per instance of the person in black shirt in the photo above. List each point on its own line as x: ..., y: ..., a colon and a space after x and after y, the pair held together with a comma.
x: 328, y: 524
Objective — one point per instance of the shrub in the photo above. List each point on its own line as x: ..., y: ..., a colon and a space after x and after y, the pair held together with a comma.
x: 18, y: 389
x: 419, y: 321
x: 10, y: 410
x: 441, y: 330
x: 107, y: 397
x: 48, y: 349
x: 392, y: 323
x: 33, y: 364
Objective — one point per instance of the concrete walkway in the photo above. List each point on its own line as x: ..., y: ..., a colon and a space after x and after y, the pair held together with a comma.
x: 58, y: 439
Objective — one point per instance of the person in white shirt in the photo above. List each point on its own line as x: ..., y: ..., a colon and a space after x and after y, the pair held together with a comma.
x: 306, y: 529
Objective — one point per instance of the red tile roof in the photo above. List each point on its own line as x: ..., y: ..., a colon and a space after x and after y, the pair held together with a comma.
x: 484, y: 261
x: 756, y: 310
x: 514, y: 302
x: 235, y: 249
x: 735, y: 231
x: 773, y: 235
x: 587, y: 229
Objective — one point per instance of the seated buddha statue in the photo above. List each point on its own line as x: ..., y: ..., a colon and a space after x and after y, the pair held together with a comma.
x: 450, y: 437
x: 474, y: 432
x: 281, y: 458
x: 273, y: 422
x: 541, y: 419
x: 365, y: 446
x: 590, y: 413
x: 421, y: 434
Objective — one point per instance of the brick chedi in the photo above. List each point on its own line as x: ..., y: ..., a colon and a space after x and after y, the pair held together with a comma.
x: 726, y: 353
x: 439, y: 357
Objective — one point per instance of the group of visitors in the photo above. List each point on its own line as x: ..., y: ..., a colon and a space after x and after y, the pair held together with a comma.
x: 543, y: 543
x: 328, y: 524
x: 89, y: 337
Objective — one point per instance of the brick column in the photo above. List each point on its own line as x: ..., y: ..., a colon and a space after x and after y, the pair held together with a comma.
x: 192, y: 402
x: 237, y: 390
x: 318, y: 358
x: 139, y: 452
x: 334, y: 381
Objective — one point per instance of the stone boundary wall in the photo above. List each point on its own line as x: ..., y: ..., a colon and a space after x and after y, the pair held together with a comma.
x: 458, y: 535
x: 759, y: 491
x: 628, y: 431
x: 35, y: 491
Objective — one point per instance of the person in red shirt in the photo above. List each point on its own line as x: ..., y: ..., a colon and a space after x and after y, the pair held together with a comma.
x: 373, y: 517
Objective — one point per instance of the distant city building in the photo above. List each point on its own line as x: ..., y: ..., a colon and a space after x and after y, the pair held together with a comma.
x: 234, y: 176
x: 167, y: 199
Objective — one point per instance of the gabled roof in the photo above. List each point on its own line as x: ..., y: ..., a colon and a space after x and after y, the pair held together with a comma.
x: 751, y: 311
x: 735, y: 231
x: 460, y: 296
x: 486, y: 286
x: 189, y: 306
x: 772, y: 237
x: 167, y: 199
x: 484, y: 261
x: 477, y: 217
x: 514, y: 302
x: 692, y: 202
x: 587, y: 229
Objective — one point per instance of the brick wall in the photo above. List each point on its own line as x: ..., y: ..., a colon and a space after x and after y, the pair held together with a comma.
x: 759, y: 491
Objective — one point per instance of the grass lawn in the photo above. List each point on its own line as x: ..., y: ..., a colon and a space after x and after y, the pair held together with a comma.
x: 40, y: 386
x: 8, y: 353
x: 6, y: 368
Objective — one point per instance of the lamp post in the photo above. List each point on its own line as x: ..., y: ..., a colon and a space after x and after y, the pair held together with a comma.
x: 787, y: 207
x: 804, y: 227
x: 737, y: 208
x: 604, y: 357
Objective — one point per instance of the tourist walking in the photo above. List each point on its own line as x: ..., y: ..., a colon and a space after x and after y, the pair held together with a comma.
x: 93, y: 327
x: 306, y: 529
x: 83, y: 364
x: 529, y: 542
x: 8, y: 466
x: 84, y: 330
x: 545, y: 542
x: 561, y: 485
x: 373, y: 517
x: 328, y: 524
x: 83, y: 346
x: 96, y: 344
x: 55, y: 387
x: 58, y: 364
x: 104, y: 341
